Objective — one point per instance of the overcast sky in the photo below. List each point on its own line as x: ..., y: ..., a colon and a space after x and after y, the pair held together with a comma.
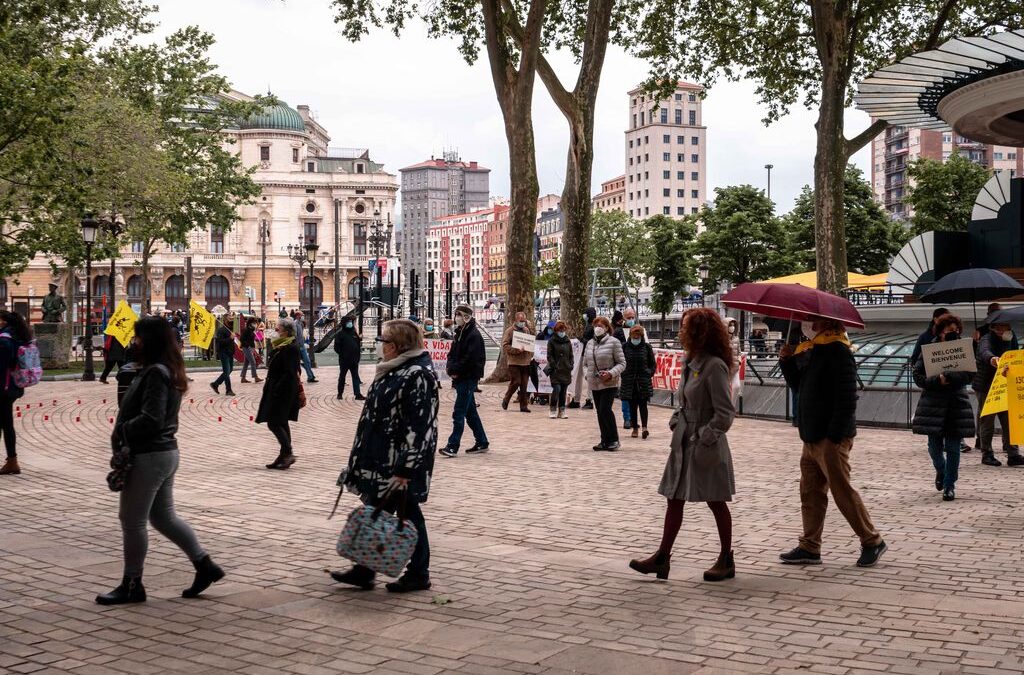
x: 410, y: 98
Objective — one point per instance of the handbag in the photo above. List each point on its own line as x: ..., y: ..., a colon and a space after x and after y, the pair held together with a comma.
x: 301, y: 394
x: 120, y: 467
x: 376, y: 539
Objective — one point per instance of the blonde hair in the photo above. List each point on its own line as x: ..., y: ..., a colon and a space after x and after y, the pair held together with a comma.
x: 403, y: 334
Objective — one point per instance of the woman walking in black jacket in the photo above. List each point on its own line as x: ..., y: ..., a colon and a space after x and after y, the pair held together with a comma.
x: 944, y: 412
x: 14, y: 332
x: 147, y: 425
x: 637, y: 386
x: 559, y: 369
x: 280, y: 401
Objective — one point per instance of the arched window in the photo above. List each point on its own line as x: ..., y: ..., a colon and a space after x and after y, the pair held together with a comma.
x: 174, y: 292
x: 218, y: 292
x: 317, y: 288
x: 136, y: 289
x: 353, y: 287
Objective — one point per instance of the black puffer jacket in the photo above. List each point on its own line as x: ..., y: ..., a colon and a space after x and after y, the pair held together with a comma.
x: 826, y: 386
x: 148, y: 418
x: 560, y: 359
x: 943, y: 408
x: 636, y: 378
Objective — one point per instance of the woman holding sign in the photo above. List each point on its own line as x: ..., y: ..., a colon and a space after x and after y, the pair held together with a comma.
x: 944, y: 411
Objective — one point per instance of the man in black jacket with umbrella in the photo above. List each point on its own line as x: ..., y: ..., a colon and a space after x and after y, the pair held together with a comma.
x: 466, y: 361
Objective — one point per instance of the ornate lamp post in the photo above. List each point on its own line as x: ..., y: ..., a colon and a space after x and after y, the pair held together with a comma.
x: 90, y: 226
x: 264, y: 236
x: 311, y: 249
x: 703, y: 271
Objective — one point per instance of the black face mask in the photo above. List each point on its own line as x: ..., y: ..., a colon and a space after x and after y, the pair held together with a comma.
x: 951, y: 336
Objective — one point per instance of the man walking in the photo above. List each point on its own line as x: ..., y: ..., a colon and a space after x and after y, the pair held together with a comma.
x: 823, y: 374
x: 300, y: 338
x: 588, y: 334
x: 518, y: 363
x: 466, y: 366
x: 996, y: 341
x: 348, y: 346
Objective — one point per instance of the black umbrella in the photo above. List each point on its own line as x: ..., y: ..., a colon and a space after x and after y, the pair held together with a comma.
x: 1007, y: 316
x: 972, y: 285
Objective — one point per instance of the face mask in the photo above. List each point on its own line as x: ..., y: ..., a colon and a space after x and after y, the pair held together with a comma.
x: 1007, y: 336
x: 429, y: 327
x: 548, y: 331
x: 380, y: 350
x: 630, y: 323
x: 520, y: 324
x: 635, y: 341
x: 599, y: 331
x: 459, y: 319
x: 955, y: 336
x: 807, y: 328
x: 561, y: 333
x: 348, y: 324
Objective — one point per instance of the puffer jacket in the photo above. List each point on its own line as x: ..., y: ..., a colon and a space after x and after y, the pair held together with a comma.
x: 560, y: 359
x: 636, y: 378
x: 943, y: 409
x: 603, y: 353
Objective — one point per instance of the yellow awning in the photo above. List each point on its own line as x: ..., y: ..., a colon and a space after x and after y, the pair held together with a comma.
x: 870, y: 282
x: 810, y: 279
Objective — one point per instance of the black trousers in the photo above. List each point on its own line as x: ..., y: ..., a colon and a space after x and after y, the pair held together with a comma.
x: 7, y: 425
x: 347, y: 368
x: 638, y: 405
x: 604, y: 399
x: 283, y: 434
x: 108, y: 366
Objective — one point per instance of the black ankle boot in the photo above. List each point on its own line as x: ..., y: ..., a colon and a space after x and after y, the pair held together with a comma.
x: 130, y: 590
x: 207, y: 573
x: 358, y: 576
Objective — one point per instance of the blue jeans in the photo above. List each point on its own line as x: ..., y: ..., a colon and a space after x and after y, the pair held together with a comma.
x: 227, y: 364
x: 304, y: 355
x: 625, y: 412
x: 465, y: 411
x: 948, y: 465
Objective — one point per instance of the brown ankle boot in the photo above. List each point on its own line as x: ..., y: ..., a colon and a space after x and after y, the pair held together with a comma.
x: 724, y: 568
x: 10, y: 467
x: 658, y: 564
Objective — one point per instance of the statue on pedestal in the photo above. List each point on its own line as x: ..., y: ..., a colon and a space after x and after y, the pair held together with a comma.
x: 53, y: 306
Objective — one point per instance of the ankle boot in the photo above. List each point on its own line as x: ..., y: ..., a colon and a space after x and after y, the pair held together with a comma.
x: 207, y: 573
x: 724, y: 568
x: 10, y: 467
x: 130, y: 590
x: 658, y: 564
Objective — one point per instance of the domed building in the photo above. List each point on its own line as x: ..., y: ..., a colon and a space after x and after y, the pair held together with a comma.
x: 311, y: 193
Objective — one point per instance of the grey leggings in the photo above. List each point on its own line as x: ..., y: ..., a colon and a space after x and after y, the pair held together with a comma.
x: 148, y: 495
x: 249, y: 353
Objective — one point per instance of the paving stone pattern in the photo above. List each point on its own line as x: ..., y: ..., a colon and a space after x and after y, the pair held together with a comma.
x: 529, y: 542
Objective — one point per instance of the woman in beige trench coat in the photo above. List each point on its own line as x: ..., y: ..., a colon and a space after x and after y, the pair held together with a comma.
x: 699, y: 467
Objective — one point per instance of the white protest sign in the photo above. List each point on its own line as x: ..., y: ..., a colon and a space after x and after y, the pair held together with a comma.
x: 540, y: 355
x: 523, y: 341
x: 941, y: 357
x: 439, y: 355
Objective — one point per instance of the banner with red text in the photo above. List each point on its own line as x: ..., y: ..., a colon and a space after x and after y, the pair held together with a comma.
x: 439, y: 355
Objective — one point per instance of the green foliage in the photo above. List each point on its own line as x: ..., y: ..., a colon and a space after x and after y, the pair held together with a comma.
x: 619, y: 241
x: 671, y: 263
x: 942, y: 194
x: 872, y: 237
x: 549, y: 275
x: 743, y: 240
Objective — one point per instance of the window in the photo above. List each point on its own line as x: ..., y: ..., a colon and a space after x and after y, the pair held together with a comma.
x: 666, y: 174
x: 218, y: 292
x: 630, y: 196
x: 679, y: 115
x: 358, y: 238
x: 680, y: 139
x: 647, y: 193
x: 647, y: 157
x: 647, y: 175
x: 694, y: 140
x: 174, y: 292
x: 1011, y: 155
x: 316, y: 288
x: 666, y: 156
x: 647, y: 210
x: 693, y: 98
x: 693, y: 209
x: 177, y: 248
x: 680, y: 210
x: 680, y: 157
x: 631, y: 161
x: 680, y: 193
x: 664, y: 115
x: 264, y: 153
x: 694, y: 193
x: 138, y: 247
x: 646, y: 139
x: 630, y: 180
x: 311, y: 167
x: 693, y: 175
x: 631, y: 143
x: 666, y: 139
x: 359, y: 168
x: 3, y: 293
x: 680, y: 175
x: 634, y: 120
x: 695, y: 158
x: 666, y: 210
x: 693, y: 117
x: 642, y: 118
x: 666, y: 192
x: 295, y: 155
x: 309, y: 233
x: 679, y: 97
x: 136, y: 289
x: 216, y: 240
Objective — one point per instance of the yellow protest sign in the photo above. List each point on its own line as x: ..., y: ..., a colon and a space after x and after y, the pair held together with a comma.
x: 122, y: 323
x: 997, y: 399
x: 202, y: 324
x: 1015, y: 378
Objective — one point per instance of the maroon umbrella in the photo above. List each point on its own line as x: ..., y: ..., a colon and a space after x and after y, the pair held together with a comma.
x: 792, y: 301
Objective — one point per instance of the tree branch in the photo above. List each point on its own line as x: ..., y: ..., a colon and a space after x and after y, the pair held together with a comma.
x: 562, y: 97
x: 497, y: 55
x: 863, y: 138
x: 530, y: 48
x: 940, y: 23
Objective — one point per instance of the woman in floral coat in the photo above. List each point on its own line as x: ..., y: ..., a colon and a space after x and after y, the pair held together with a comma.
x: 395, y: 444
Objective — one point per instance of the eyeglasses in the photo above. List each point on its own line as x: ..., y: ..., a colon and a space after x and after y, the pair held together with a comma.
x: 384, y: 340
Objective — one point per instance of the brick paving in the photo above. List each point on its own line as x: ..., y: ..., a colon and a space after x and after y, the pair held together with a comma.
x: 529, y: 542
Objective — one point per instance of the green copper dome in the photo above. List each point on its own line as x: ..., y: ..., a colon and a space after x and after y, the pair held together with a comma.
x: 279, y: 116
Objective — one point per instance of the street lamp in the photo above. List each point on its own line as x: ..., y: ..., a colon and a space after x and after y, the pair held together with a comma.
x: 379, y: 234
x: 769, y: 167
x: 703, y: 271
x: 264, y: 235
x: 90, y: 226
x: 311, y: 249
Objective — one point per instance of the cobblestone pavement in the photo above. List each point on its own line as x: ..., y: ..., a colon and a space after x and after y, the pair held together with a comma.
x: 530, y: 544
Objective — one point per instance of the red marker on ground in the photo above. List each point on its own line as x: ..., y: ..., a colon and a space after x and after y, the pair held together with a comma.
x: 111, y: 420
x: 46, y: 418
x: 78, y: 419
x: 250, y: 418
x: 219, y: 418
x: 79, y: 401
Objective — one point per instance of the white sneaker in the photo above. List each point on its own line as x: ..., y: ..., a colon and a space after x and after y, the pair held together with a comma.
x: 552, y: 414
x: 562, y: 414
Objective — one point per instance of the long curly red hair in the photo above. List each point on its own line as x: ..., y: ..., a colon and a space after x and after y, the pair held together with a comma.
x: 703, y: 332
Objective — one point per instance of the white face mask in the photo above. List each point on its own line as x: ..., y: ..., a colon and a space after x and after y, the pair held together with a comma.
x: 599, y: 331
x: 807, y: 328
x: 380, y: 350
x: 1007, y: 335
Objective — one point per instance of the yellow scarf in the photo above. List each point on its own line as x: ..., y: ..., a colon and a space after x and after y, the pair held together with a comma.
x: 824, y: 338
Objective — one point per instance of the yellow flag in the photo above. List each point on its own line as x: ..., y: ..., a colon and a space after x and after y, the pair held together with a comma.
x: 1015, y: 379
x: 122, y: 323
x: 997, y: 399
x: 201, y: 326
